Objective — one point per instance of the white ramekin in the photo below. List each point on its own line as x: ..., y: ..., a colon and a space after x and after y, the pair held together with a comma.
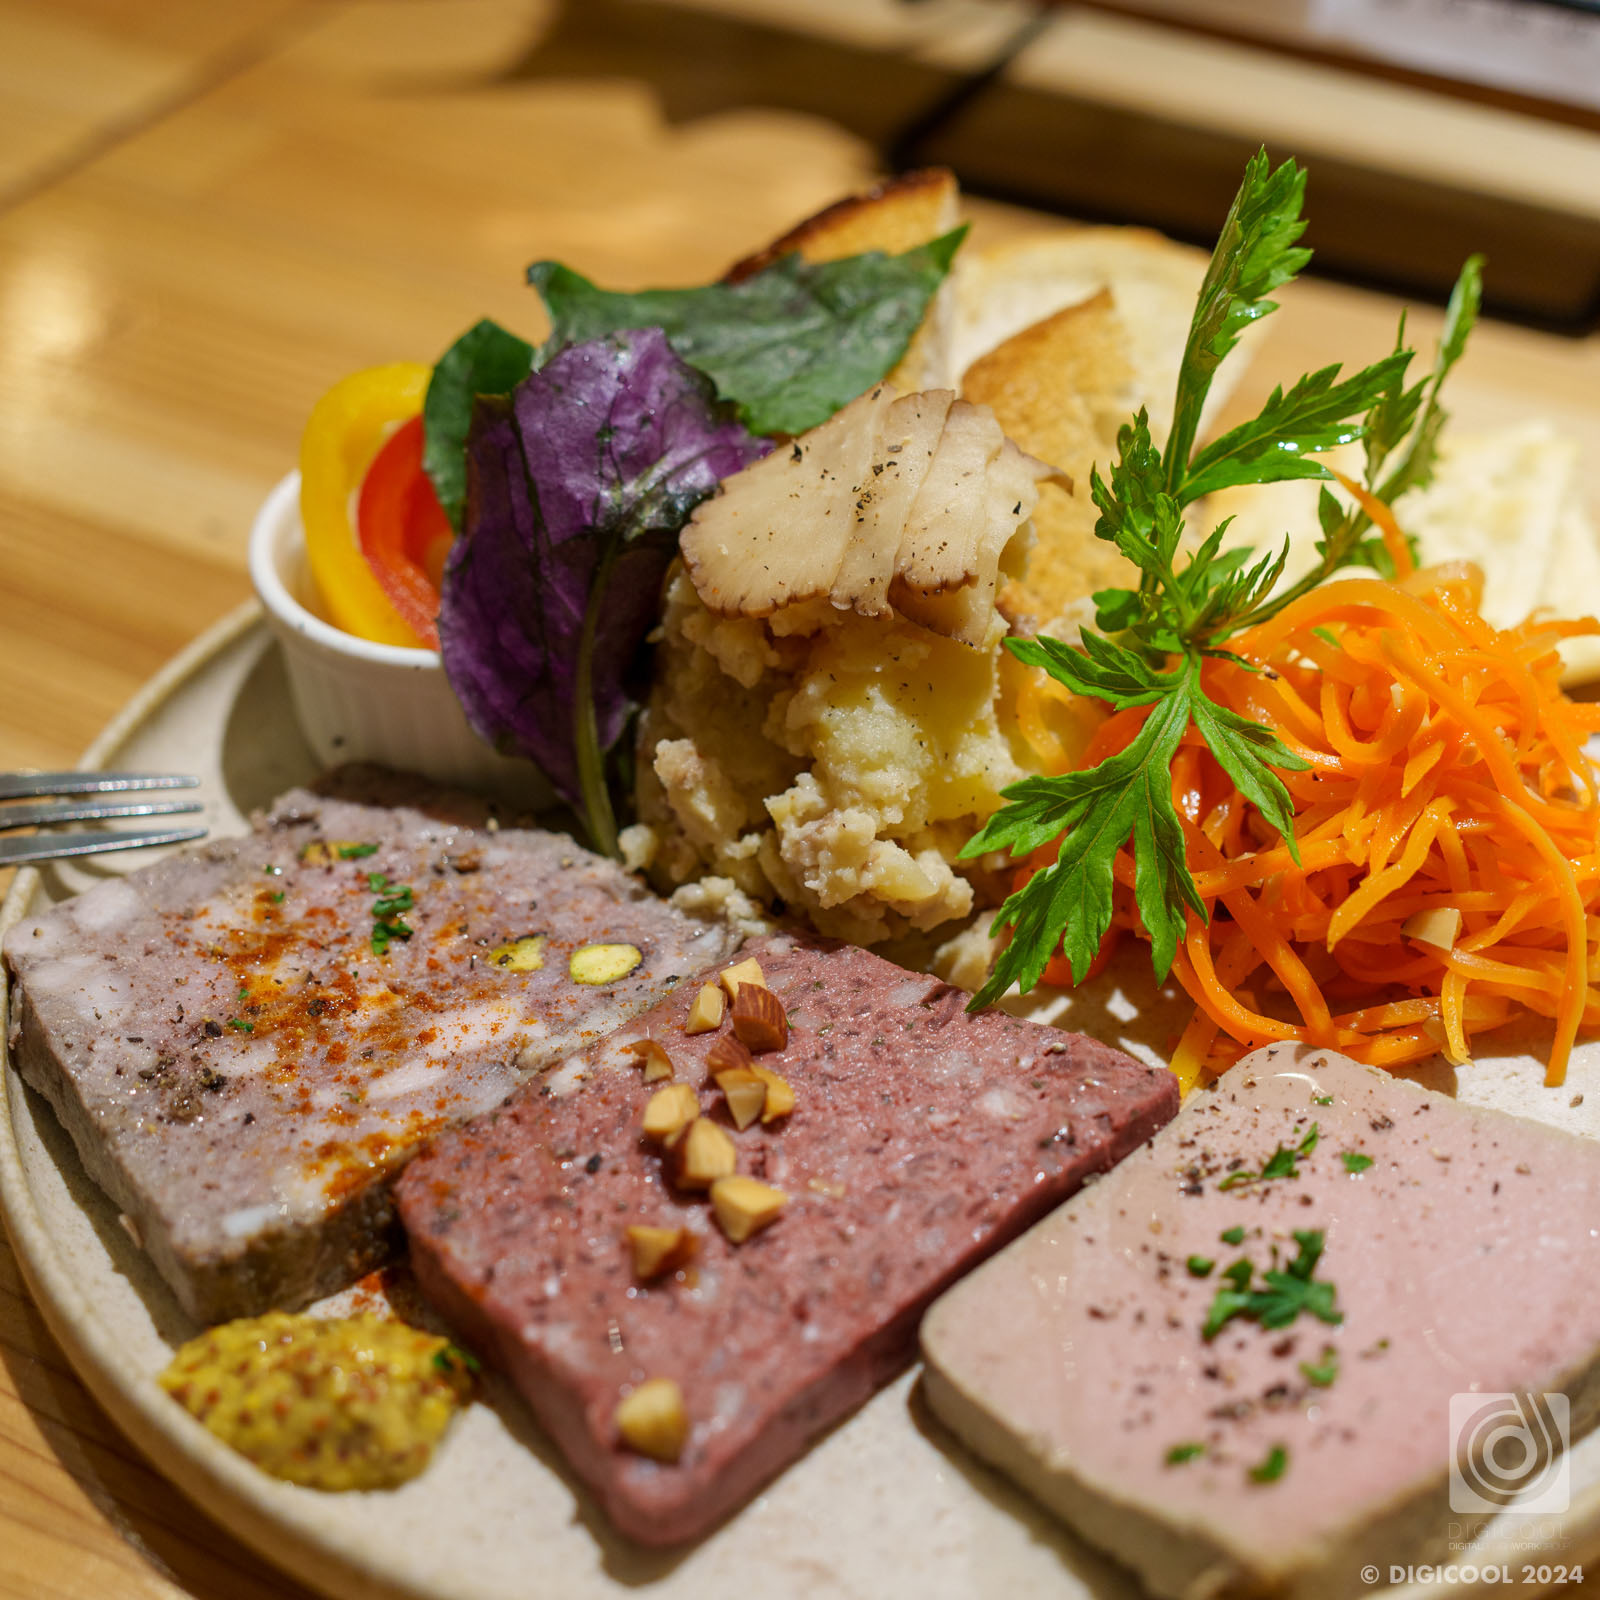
x: 359, y: 701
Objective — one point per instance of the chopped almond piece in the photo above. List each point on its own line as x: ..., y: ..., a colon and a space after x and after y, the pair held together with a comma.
x: 704, y: 1154
x: 759, y: 1018
x: 746, y: 1095
x: 743, y: 972
x: 660, y: 1250
x: 656, y: 1062
x: 706, y: 1012
x: 728, y: 1054
x: 1440, y: 927
x: 744, y: 1206
x: 780, y: 1095
x: 670, y: 1111
x: 652, y: 1420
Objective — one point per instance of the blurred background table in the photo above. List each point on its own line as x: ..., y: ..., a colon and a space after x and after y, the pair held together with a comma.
x: 210, y: 213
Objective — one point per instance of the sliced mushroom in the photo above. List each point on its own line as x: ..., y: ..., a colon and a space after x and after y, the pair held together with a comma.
x: 895, y: 504
x: 962, y: 611
x: 777, y: 532
x: 908, y: 440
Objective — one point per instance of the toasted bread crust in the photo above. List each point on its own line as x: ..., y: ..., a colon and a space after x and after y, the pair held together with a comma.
x: 894, y: 216
x: 1060, y: 389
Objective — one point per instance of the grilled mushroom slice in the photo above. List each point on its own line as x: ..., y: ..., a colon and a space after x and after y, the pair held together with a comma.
x: 895, y: 504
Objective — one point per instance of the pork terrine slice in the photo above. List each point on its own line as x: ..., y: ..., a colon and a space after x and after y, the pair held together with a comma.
x: 1425, y: 1250
x: 244, y: 1059
x: 920, y: 1139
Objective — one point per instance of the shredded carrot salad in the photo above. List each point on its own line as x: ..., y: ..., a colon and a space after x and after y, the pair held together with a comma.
x: 1448, y: 828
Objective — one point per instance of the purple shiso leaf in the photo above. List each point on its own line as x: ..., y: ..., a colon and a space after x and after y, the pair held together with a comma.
x: 599, y: 458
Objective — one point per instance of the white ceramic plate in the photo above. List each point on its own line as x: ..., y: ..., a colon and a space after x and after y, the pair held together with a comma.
x: 886, y: 1505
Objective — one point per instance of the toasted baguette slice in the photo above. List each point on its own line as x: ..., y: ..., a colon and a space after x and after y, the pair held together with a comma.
x: 1061, y: 389
x: 1009, y: 287
x: 893, y: 216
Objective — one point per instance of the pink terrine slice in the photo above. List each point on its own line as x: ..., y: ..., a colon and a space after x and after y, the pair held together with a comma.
x: 1464, y: 1260
x: 921, y: 1140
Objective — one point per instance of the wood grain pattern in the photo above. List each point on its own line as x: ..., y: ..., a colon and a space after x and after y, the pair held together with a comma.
x: 207, y: 215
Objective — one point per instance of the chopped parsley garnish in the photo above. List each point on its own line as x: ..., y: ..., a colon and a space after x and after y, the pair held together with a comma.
x: 1180, y: 1453
x: 1321, y: 1374
x: 388, y: 912
x: 277, y: 898
x: 1272, y: 1468
x: 1283, y: 1295
x: 1233, y: 1235
x: 1191, y: 596
x: 272, y: 871
x: 453, y: 1356
x: 1321, y: 1099
x: 1354, y: 1161
x: 1200, y: 1266
x: 1280, y: 1164
x: 354, y: 852
x: 239, y: 1025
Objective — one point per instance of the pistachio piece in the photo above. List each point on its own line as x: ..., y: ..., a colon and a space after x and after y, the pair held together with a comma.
x: 706, y: 1012
x: 744, y: 1206
x: 660, y: 1250
x: 603, y: 963
x: 746, y: 1094
x: 741, y: 972
x: 727, y: 1054
x: 656, y: 1062
x: 669, y: 1111
x: 651, y: 1420
x: 520, y: 955
x: 324, y: 852
x: 704, y: 1154
x: 759, y: 1018
x: 779, y: 1100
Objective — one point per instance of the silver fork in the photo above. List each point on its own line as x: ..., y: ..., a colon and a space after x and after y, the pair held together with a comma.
x: 47, y: 847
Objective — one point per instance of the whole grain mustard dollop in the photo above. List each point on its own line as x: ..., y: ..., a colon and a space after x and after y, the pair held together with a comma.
x: 334, y: 1404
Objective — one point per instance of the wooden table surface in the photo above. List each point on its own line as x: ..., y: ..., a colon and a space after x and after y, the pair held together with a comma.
x: 207, y: 215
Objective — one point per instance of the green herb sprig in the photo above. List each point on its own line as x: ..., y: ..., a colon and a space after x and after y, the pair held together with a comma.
x: 1321, y: 1375
x: 1154, y: 638
x: 388, y: 912
x: 1280, y: 1164
x: 1283, y: 1295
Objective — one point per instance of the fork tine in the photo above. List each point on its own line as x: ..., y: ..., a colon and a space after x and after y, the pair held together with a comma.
x: 48, y: 846
x: 30, y: 785
x: 45, y: 816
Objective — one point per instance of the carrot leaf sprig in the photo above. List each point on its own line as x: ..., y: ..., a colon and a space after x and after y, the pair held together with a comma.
x: 1190, y: 599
